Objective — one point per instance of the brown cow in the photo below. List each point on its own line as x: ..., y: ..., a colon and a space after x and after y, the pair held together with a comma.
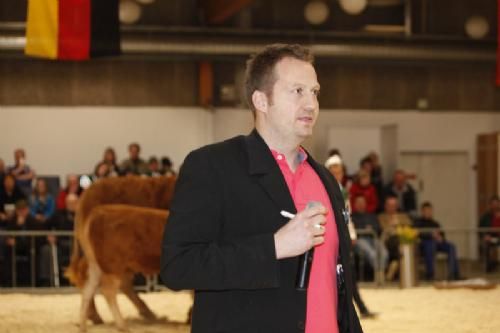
x: 138, y: 191
x: 118, y: 241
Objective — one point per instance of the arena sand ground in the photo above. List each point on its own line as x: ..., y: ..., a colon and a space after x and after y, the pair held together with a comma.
x: 419, y: 310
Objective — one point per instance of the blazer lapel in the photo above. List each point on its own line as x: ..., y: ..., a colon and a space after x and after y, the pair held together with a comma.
x: 263, y: 167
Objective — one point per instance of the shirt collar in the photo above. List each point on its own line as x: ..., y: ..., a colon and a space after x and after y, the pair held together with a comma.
x: 279, y: 157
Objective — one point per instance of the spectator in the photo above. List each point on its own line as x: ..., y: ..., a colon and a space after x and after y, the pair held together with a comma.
x: 389, y: 220
x: 376, y: 175
x: 366, y: 164
x: 42, y: 203
x: 366, y: 244
x: 2, y: 171
x: 490, y: 240
x: 364, y: 188
x: 22, y: 172
x: 404, y: 192
x: 9, y: 195
x: 72, y: 187
x: 432, y: 241
x: 63, y: 220
x: 18, y: 248
x: 101, y: 171
x: 167, y: 167
x: 108, y: 159
x: 336, y: 167
x: 154, y: 167
x: 134, y: 164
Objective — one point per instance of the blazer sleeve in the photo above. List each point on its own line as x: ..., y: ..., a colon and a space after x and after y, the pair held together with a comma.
x: 194, y: 256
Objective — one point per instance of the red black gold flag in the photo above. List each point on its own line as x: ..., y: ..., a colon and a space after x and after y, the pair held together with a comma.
x: 72, y: 29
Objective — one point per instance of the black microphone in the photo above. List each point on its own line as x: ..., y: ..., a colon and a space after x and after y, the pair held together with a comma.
x: 305, y: 261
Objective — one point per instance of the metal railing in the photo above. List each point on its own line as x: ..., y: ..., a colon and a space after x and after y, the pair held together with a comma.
x: 468, y: 242
x: 11, y: 255
x: 464, y: 238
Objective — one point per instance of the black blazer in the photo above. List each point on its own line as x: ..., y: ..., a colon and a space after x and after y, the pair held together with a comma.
x: 219, y: 241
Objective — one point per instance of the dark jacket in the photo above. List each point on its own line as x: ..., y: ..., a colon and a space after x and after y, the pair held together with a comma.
x: 408, y: 199
x: 423, y: 223
x: 219, y: 241
x: 12, y: 198
x: 365, y: 220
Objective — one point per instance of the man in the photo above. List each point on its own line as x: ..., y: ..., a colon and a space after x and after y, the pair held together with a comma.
x: 490, y: 240
x: 63, y: 220
x: 134, y: 165
x: 432, y: 241
x: 226, y: 238
x: 390, y: 219
x: 366, y: 243
x: 363, y: 186
x: 404, y: 192
x: 18, y: 248
x: 154, y: 167
x: 22, y: 172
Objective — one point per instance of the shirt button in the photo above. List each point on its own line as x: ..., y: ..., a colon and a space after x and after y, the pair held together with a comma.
x: 280, y: 157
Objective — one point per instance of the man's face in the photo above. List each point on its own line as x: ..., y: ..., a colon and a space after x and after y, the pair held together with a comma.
x: 427, y: 212
x: 399, y: 179
x: 18, y: 155
x: 293, y: 108
x: 133, y: 152
x: 391, y: 205
x: 337, y: 171
x: 154, y: 166
x: 364, y: 180
x: 22, y: 212
x: 360, y: 204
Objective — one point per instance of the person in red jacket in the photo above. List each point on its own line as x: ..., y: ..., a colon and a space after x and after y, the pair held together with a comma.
x: 363, y: 187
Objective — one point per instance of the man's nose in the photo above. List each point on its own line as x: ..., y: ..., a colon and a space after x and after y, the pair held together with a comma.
x: 310, y: 101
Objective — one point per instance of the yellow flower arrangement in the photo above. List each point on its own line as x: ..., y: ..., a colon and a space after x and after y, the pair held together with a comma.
x: 406, y: 234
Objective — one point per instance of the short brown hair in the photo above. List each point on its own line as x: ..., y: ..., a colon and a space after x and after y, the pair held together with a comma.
x: 259, y: 74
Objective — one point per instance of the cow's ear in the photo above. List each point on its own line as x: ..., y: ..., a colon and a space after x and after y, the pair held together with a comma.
x: 259, y: 100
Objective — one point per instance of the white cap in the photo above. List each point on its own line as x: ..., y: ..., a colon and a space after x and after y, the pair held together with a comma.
x: 333, y: 160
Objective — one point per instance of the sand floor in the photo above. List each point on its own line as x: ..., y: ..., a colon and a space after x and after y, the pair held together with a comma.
x: 420, y: 310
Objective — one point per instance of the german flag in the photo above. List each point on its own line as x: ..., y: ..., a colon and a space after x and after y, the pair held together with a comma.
x: 72, y: 29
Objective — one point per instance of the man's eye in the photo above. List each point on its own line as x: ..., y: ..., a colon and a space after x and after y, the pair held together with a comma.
x: 298, y: 90
x: 316, y: 92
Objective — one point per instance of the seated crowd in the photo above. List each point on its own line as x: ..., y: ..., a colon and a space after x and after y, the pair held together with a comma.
x: 378, y: 210
x: 27, y: 208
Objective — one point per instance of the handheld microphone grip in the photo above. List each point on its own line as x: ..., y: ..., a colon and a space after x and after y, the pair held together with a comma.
x: 303, y: 273
x: 305, y: 262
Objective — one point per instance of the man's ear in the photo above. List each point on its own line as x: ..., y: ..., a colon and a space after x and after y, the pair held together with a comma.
x: 259, y: 100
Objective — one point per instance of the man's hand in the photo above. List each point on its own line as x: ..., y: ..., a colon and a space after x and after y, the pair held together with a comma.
x: 301, y: 233
x: 11, y: 241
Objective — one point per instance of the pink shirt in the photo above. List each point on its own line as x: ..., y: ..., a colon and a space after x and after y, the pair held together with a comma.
x: 304, y: 186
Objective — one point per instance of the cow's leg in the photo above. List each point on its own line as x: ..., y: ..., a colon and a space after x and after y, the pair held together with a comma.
x: 128, y: 289
x: 88, y: 292
x: 93, y: 314
x: 109, y: 288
